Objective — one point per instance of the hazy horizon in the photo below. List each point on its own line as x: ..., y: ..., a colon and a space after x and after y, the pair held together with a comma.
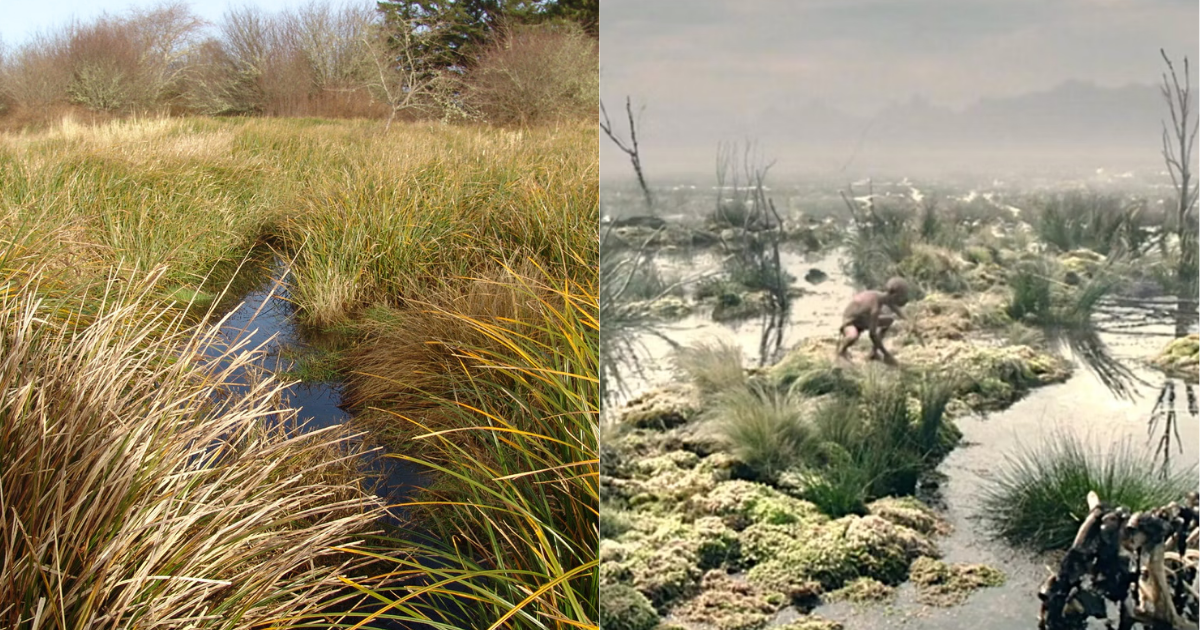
x: 850, y: 86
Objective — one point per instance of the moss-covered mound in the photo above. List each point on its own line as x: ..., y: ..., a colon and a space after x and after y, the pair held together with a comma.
x: 1180, y: 358
x: 986, y: 376
x: 941, y: 584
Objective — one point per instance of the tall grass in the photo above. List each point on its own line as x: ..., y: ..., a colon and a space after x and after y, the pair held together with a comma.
x: 139, y: 492
x: 373, y: 218
x: 1104, y: 223
x: 624, y: 312
x: 515, y: 444
x: 1038, y: 496
x: 393, y: 234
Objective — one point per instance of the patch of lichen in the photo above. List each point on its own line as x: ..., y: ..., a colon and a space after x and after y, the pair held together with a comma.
x: 729, y: 604
x: 864, y: 590
x: 941, y: 584
x: 1180, y: 358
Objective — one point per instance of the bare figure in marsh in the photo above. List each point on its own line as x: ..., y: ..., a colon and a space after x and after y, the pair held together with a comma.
x: 865, y: 312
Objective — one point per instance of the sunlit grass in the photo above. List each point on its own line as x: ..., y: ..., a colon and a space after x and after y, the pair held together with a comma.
x: 140, y: 492
x: 390, y: 236
x: 514, y: 444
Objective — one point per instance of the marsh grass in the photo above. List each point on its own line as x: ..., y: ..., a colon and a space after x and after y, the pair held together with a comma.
x: 372, y: 217
x: 768, y: 430
x: 182, y: 503
x: 712, y: 367
x: 389, y: 232
x: 1103, y: 223
x: 872, y: 443
x: 1037, y: 497
x: 624, y: 312
x: 515, y: 446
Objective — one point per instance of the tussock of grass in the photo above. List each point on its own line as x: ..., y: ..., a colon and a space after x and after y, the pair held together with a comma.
x: 515, y: 444
x: 174, y: 502
x: 713, y: 368
x: 1038, y: 496
x: 768, y: 430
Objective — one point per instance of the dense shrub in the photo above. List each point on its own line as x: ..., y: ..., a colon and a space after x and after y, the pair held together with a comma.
x: 537, y: 73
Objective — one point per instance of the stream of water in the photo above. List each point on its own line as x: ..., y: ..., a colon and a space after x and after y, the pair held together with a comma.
x: 266, y: 319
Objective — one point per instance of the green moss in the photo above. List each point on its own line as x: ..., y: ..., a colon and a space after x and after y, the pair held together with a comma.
x: 834, y: 553
x: 661, y: 409
x: 910, y: 513
x: 312, y: 365
x: 737, y: 306
x: 664, y: 557
x: 670, y: 307
x: 624, y: 608
x: 1180, y: 358
x: 666, y: 481
x: 188, y: 295
x: 941, y: 584
x: 742, y: 503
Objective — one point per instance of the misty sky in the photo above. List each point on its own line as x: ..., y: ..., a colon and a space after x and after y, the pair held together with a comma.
x: 20, y: 19
x: 702, y: 68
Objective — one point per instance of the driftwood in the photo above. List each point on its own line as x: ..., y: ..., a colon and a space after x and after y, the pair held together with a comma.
x: 1143, y: 563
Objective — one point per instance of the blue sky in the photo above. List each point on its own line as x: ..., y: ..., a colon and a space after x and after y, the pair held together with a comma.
x: 20, y: 19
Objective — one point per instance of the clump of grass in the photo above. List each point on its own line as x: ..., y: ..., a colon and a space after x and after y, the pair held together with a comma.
x: 871, y: 444
x: 767, y: 430
x: 516, y: 452
x: 1038, y: 496
x: 624, y: 312
x: 1104, y: 223
x: 712, y: 367
x: 183, y: 503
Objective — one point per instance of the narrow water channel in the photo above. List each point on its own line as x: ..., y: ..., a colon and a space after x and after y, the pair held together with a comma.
x: 265, y: 318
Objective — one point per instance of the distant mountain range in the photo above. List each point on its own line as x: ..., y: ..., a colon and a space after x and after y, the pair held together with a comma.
x: 1074, y: 114
x: 1074, y: 127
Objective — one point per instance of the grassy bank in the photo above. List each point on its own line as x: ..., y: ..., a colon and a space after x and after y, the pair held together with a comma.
x: 474, y: 242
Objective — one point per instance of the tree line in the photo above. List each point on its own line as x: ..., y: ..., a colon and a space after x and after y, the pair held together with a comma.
x: 501, y: 61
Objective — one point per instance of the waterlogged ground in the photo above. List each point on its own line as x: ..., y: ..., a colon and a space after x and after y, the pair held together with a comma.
x: 1081, y: 406
x: 265, y: 319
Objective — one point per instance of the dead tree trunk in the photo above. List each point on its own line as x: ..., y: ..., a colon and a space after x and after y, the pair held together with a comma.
x: 630, y: 149
x: 1179, y: 142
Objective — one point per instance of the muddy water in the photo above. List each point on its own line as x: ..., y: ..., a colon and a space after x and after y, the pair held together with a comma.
x: 1081, y: 406
x: 266, y: 319
x: 815, y: 313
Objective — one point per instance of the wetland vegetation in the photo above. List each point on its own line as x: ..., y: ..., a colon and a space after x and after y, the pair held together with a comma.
x: 753, y: 481
x: 433, y: 276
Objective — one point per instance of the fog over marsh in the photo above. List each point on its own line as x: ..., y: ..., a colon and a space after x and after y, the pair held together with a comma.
x: 862, y: 87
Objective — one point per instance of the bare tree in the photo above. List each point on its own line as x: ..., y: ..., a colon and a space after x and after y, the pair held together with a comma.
x: 1179, y: 143
x: 630, y: 149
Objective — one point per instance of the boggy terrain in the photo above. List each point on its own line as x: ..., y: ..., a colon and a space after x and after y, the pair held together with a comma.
x: 434, y: 257
x: 743, y: 498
